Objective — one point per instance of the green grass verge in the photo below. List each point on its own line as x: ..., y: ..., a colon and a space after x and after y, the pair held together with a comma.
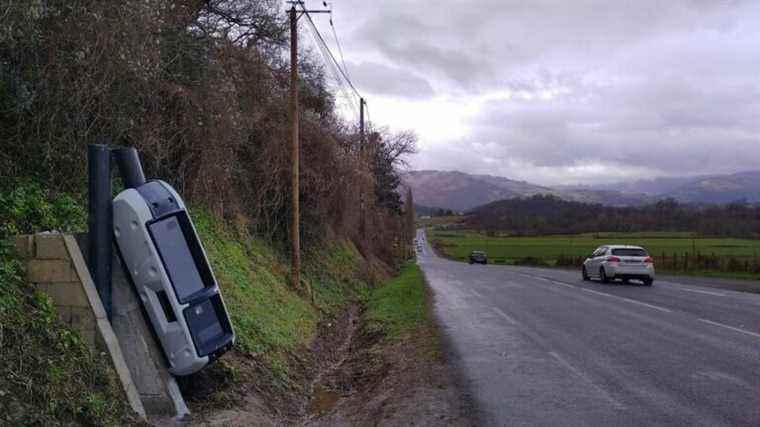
x: 400, y: 305
x: 270, y: 318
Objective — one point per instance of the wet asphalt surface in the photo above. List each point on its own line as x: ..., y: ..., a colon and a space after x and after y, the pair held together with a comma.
x: 542, y: 347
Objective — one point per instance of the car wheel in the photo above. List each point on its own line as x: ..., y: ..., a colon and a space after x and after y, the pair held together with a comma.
x: 603, y: 276
x: 585, y: 275
x: 648, y: 282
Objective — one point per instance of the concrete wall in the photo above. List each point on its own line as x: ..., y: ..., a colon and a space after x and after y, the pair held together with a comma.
x: 158, y: 389
x: 55, y: 265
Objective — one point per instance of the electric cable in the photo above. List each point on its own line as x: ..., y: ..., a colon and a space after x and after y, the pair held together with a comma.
x: 327, y: 48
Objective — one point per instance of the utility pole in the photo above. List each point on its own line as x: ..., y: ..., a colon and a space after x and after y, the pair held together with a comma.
x: 295, y: 222
x: 362, y: 164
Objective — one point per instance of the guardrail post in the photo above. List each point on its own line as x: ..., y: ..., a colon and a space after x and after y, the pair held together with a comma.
x: 100, y: 221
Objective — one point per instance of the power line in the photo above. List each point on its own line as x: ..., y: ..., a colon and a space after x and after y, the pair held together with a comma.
x: 341, y: 75
x: 327, y: 48
x: 344, y: 90
x: 337, y: 42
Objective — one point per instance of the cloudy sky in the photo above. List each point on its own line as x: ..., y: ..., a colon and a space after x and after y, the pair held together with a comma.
x: 562, y: 91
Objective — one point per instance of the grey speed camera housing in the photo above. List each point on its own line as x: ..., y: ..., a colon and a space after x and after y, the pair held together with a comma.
x: 165, y: 260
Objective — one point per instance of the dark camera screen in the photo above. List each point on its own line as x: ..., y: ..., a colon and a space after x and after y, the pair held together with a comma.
x: 204, y: 324
x: 178, y: 261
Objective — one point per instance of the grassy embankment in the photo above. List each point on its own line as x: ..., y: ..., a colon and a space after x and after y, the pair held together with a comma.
x: 48, y: 375
x: 271, y: 319
x: 548, y: 249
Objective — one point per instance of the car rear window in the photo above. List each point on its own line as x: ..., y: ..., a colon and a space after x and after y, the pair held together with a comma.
x: 629, y: 252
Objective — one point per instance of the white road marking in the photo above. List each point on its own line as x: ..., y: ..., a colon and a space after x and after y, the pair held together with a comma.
x: 583, y: 376
x: 632, y: 301
x: 703, y: 292
x: 505, y: 316
x: 563, y: 284
x: 476, y: 293
x: 730, y: 327
x: 550, y: 281
x: 663, y: 309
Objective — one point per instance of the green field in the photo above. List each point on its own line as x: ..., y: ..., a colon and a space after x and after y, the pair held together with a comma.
x: 439, y: 220
x: 508, y: 250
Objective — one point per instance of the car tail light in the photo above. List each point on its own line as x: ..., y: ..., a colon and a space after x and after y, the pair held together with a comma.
x: 648, y: 260
x: 613, y: 259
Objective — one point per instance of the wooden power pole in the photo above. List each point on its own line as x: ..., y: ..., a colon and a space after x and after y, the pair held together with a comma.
x: 295, y: 220
x: 295, y: 223
x: 362, y: 164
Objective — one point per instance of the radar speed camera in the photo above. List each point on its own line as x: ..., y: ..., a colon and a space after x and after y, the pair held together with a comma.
x: 165, y: 260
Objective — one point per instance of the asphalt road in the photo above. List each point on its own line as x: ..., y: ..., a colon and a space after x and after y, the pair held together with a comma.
x: 542, y: 347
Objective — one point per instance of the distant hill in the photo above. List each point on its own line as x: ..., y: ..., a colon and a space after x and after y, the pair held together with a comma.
x: 695, y: 189
x: 461, y: 191
x: 720, y: 189
x: 652, y: 187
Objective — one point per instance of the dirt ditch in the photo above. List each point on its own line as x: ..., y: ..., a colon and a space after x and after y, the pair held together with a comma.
x: 403, y: 381
x: 347, y: 377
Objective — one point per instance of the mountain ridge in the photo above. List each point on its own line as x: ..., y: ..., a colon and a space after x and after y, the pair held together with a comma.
x: 461, y: 191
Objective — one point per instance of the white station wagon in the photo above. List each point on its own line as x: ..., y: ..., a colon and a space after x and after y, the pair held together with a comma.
x: 611, y: 262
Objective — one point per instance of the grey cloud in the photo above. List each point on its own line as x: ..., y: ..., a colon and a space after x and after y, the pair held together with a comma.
x: 657, y: 125
x: 640, y: 87
x: 477, y: 44
x: 385, y: 80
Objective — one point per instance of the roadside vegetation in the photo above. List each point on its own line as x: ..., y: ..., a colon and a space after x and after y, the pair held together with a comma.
x: 48, y: 374
x: 399, y: 307
x: 395, y: 370
x: 682, y: 253
x: 272, y: 320
x: 201, y: 90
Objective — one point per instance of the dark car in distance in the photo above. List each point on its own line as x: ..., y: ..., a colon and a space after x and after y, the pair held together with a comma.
x: 478, y: 257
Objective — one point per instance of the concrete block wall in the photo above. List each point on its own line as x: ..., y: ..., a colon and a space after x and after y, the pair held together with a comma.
x: 55, y: 265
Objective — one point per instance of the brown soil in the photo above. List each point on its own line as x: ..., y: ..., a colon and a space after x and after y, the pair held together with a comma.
x: 347, y: 377
x: 239, y: 389
x: 401, y: 381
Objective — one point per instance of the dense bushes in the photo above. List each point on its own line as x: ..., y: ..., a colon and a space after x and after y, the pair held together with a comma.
x: 26, y: 208
x: 200, y: 88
